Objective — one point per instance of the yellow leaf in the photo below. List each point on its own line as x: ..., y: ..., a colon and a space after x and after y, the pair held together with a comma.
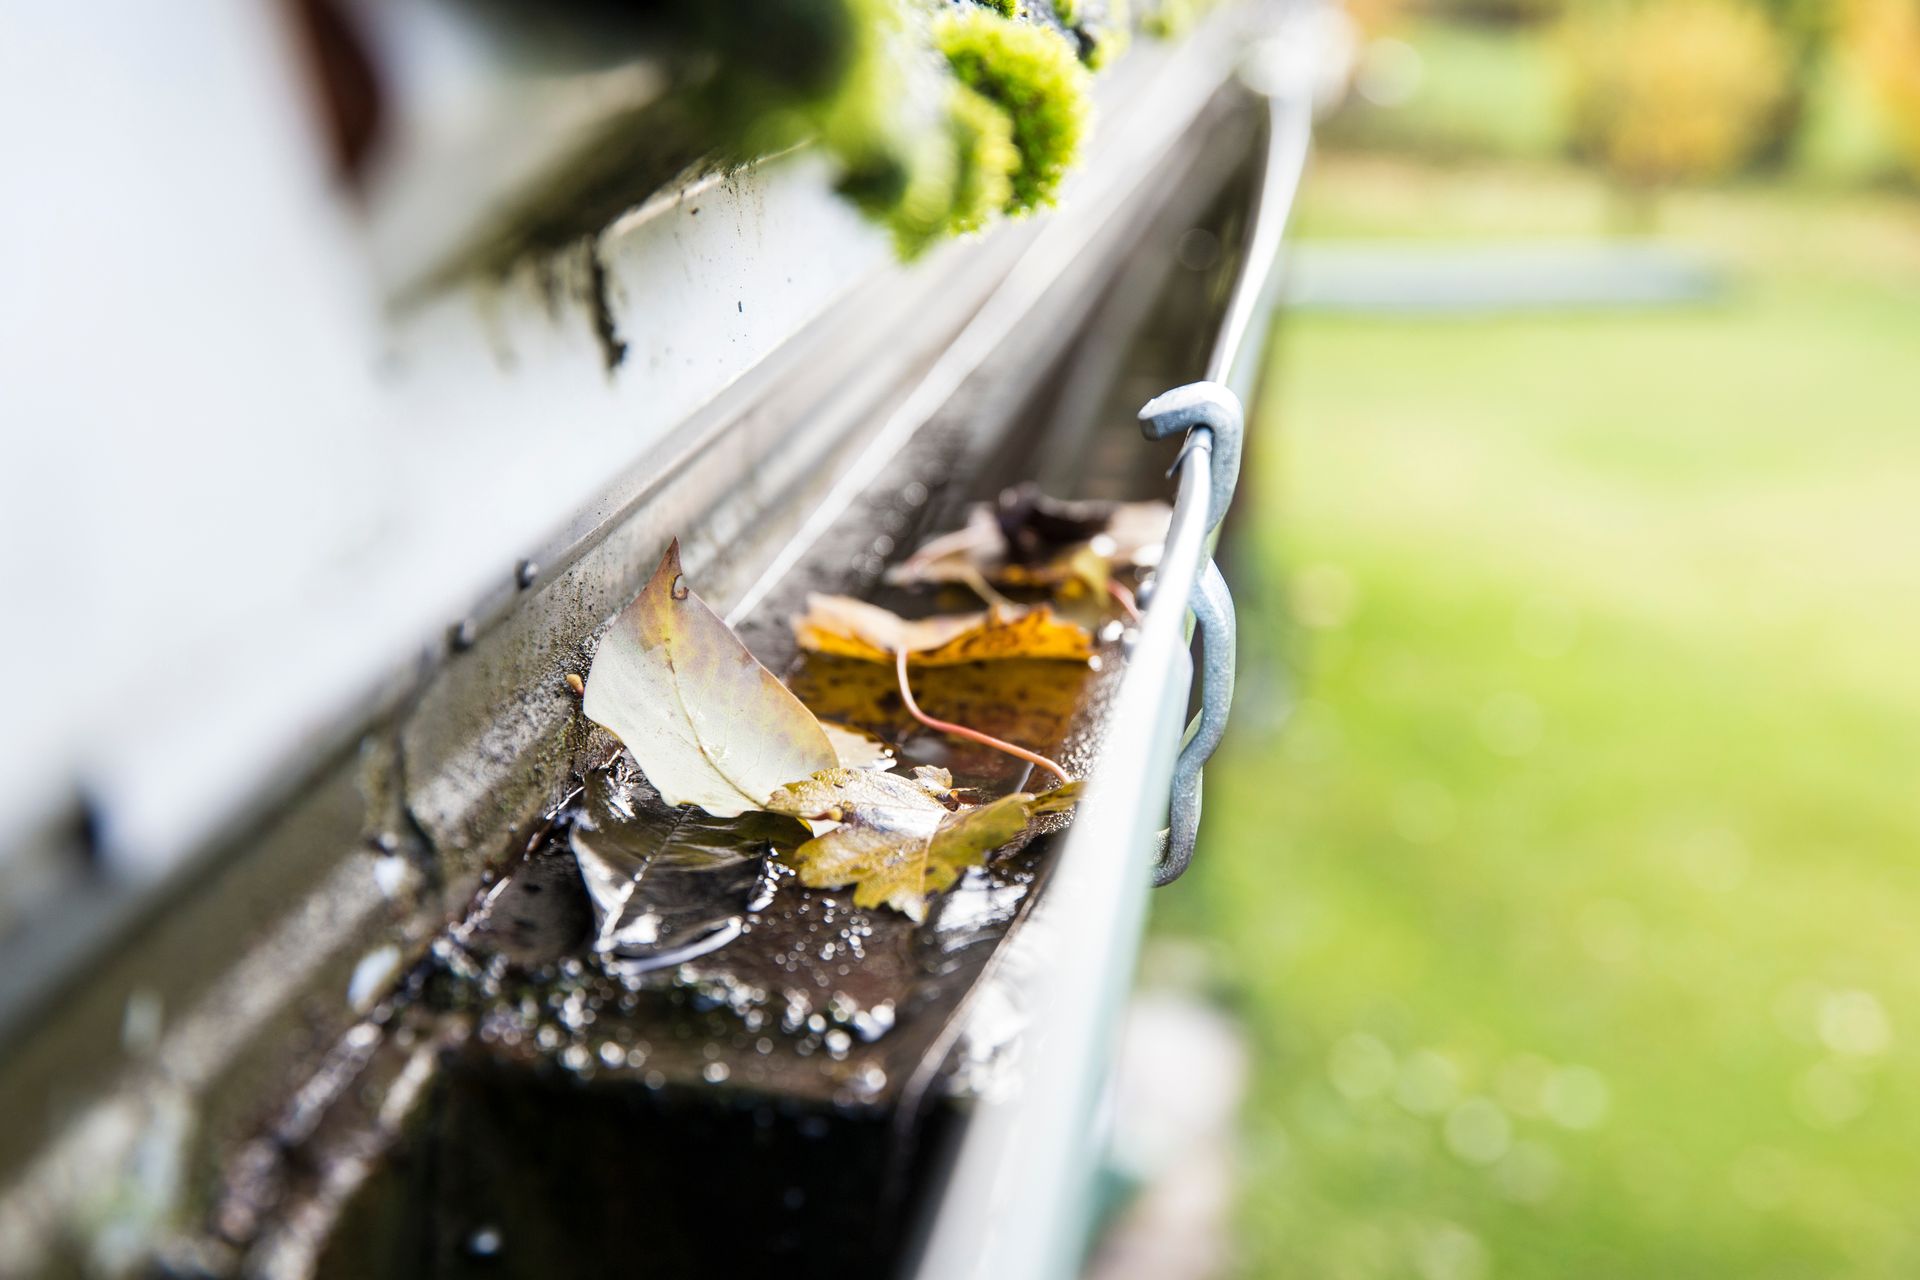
x: 854, y: 629
x: 1058, y: 800
x: 895, y: 839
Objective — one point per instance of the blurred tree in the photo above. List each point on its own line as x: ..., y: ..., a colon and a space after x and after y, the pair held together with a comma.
x: 1885, y: 38
x: 1376, y: 16
x: 1511, y: 12
x: 1669, y: 91
x: 1805, y: 28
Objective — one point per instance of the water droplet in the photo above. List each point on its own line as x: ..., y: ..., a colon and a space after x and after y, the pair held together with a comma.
x: 370, y: 977
x: 390, y: 874
x: 1854, y: 1024
x: 1512, y: 724
x: 1828, y: 1096
x: 1478, y: 1131
x: 1529, y: 1173
x: 1448, y: 1251
x: 1546, y: 626
x: 1716, y: 859
x: 1428, y: 1083
x: 140, y: 1022
x: 1576, y: 1098
x: 1521, y: 1081
x: 1610, y: 931
x: 1424, y: 812
x: 1323, y: 597
x: 1763, y: 1177
x: 1360, y: 1066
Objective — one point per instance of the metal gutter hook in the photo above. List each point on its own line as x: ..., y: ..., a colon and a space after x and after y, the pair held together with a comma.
x: 1214, y: 407
x: 1213, y: 610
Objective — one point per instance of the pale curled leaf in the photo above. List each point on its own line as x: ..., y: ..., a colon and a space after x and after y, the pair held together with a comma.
x: 895, y: 839
x: 856, y: 748
x: 852, y: 628
x: 824, y: 797
x: 702, y: 718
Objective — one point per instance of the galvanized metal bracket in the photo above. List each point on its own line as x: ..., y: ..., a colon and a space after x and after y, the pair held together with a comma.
x: 1213, y: 610
x: 1212, y: 408
x: 1210, y: 413
x: 1209, y: 405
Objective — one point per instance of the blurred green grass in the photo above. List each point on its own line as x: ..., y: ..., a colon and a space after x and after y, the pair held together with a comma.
x: 1574, y: 916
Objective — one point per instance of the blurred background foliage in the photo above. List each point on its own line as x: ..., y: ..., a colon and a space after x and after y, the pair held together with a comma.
x: 1564, y: 858
x: 1655, y: 92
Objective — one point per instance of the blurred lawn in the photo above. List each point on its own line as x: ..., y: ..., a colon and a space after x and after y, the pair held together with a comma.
x: 1575, y: 918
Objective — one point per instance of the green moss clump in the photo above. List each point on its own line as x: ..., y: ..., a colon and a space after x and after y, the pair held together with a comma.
x: 1171, y: 19
x: 1033, y: 75
x: 1098, y: 30
x: 987, y: 158
x: 1106, y: 36
x: 926, y: 145
x: 886, y: 124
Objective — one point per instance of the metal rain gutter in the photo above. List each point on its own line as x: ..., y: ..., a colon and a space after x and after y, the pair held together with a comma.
x: 1019, y: 1200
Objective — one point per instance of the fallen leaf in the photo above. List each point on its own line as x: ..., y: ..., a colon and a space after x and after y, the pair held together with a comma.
x: 893, y: 838
x: 1029, y: 701
x: 856, y: 748
x: 702, y: 718
x: 855, y: 629
x: 1058, y: 800
x: 824, y: 797
x: 900, y: 840
x: 1036, y: 527
x: 1028, y: 540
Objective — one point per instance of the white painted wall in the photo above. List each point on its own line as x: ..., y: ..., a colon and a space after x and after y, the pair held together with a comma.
x: 233, y: 494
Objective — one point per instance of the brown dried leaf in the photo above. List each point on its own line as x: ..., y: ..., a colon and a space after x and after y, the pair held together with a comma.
x: 855, y: 629
x: 1130, y: 538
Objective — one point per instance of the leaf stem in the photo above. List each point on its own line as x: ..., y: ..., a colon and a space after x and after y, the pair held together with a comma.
x: 977, y: 582
x: 961, y: 731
